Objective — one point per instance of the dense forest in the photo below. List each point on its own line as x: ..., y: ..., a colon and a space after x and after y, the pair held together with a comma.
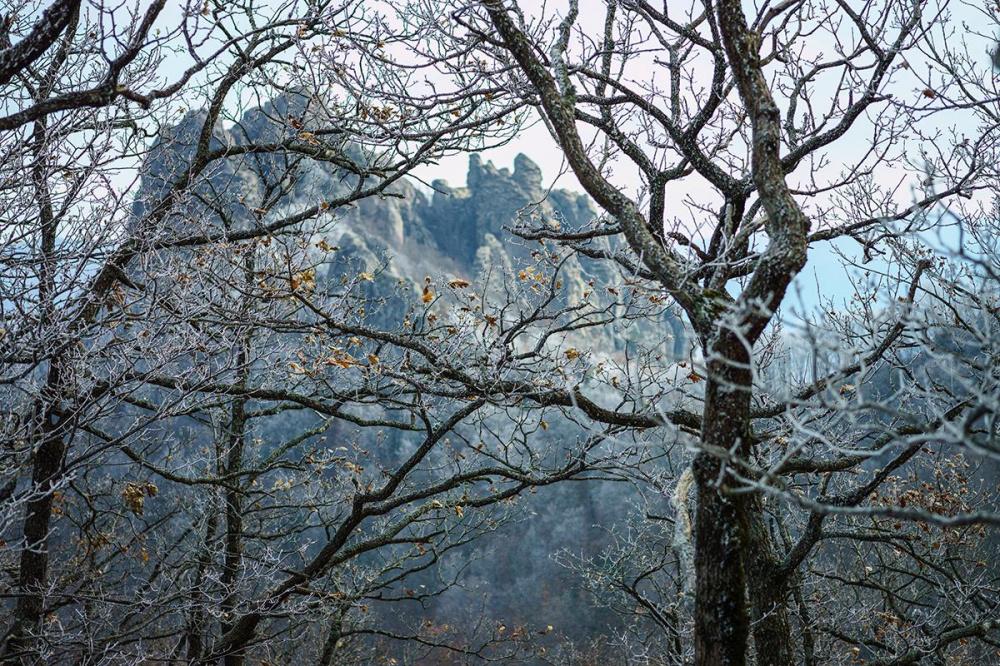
x: 709, y: 374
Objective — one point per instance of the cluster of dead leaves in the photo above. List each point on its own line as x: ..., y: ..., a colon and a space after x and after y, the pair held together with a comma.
x: 134, y: 495
x: 303, y: 280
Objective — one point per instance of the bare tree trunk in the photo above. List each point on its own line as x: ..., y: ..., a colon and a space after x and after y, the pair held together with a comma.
x: 734, y: 552
x: 49, y: 446
x: 330, y: 646
x: 721, y: 624
x: 235, y: 442
x: 767, y: 592
x: 34, y: 563
x: 805, y: 626
x: 194, y: 632
x: 234, y: 520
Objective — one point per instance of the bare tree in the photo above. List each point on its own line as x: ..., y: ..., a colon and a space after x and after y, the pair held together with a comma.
x: 764, y: 115
x: 112, y: 323
x: 193, y: 380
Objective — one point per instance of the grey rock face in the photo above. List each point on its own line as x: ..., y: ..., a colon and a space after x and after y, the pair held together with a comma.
x: 423, y: 234
x: 400, y: 239
x: 407, y: 234
x: 460, y: 219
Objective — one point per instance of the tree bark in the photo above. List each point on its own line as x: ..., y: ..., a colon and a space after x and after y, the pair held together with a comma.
x: 233, y: 556
x: 34, y: 563
x: 734, y: 552
x: 49, y: 443
x: 722, y: 623
x: 235, y: 443
x: 767, y: 592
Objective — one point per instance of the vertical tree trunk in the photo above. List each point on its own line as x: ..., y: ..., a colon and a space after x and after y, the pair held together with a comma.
x: 235, y: 444
x: 767, y: 592
x: 195, y: 627
x: 233, y: 557
x: 48, y: 440
x: 805, y: 625
x: 721, y: 623
x: 34, y: 563
x: 330, y: 647
x: 734, y: 552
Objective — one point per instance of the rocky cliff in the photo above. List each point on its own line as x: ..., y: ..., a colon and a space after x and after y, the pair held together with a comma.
x: 446, y: 231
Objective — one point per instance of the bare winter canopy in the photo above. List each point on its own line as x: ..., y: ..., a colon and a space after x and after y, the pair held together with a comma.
x: 267, y: 395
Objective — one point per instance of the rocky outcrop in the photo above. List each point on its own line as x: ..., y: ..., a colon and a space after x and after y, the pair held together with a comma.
x: 459, y: 219
x: 406, y: 235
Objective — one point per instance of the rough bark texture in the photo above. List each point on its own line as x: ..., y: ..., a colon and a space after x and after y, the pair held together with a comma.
x: 53, y: 21
x: 34, y: 565
x: 49, y: 445
x: 233, y: 556
x: 767, y: 592
x: 722, y: 623
x: 786, y: 228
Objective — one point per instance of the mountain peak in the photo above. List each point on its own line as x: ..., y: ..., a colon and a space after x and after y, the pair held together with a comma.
x: 526, y: 171
x: 527, y: 174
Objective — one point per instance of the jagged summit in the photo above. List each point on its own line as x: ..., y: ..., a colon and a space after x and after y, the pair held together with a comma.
x: 459, y: 219
x: 458, y: 231
x: 443, y: 230
x: 526, y: 172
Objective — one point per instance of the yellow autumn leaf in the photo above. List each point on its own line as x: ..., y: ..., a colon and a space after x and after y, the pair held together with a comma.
x: 366, y: 276
x: 458, y: 283
x: 427, y: 296
x: 134, y: 496
x: 304, y: 280
x: 341, y: 359
x: 572, y: 353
